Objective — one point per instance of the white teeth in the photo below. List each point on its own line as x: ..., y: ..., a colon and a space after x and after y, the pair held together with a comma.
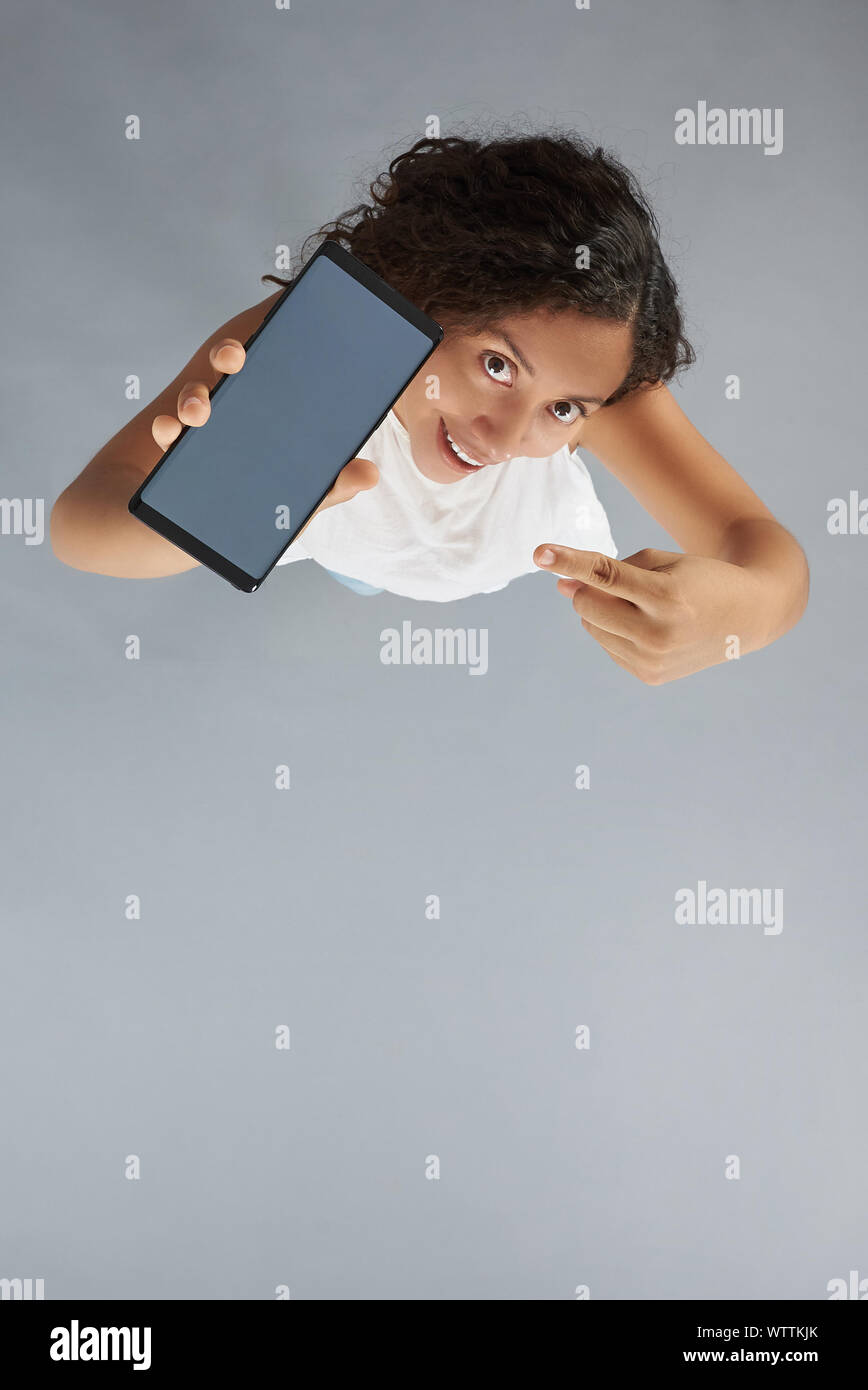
x: 460, y: 452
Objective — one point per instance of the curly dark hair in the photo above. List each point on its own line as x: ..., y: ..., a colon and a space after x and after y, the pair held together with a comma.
x: 471, y: 230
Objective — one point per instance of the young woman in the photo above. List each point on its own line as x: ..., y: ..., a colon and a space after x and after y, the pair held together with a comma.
x: 539, y: 255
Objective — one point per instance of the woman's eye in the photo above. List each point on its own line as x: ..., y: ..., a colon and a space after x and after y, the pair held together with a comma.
x: 570, y: 405
x: 501, y: 364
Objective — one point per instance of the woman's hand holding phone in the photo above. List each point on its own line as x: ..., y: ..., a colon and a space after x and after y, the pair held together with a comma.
x: 227, y: 356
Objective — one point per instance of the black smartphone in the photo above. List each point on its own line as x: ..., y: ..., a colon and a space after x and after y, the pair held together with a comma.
x: 323, y: 369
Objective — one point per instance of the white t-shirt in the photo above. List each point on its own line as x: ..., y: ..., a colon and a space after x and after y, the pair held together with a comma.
x: 444, y: 541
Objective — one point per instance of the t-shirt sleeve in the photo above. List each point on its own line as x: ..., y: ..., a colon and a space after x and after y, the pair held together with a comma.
x: 296, y: 551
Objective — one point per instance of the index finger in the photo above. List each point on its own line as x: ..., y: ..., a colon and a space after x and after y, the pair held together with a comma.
x: 603, y: 572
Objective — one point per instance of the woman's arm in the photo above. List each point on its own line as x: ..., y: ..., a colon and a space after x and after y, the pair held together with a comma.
x: 741, y: 582
x: 649, y: 444
x: 91, y: 527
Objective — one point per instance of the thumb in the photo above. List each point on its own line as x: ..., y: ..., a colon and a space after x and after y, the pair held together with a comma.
x: 359, y: 475
x: 652, y: 559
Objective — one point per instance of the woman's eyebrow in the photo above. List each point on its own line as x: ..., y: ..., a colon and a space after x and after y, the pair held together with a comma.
x: 514, y: 348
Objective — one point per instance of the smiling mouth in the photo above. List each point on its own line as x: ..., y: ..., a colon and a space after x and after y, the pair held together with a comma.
x: 458, y: 455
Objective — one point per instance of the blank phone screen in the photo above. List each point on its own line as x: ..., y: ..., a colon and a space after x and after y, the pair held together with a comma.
x: 318, y: 378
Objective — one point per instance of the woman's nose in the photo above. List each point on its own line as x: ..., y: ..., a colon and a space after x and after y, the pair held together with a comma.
x: 500, y: 441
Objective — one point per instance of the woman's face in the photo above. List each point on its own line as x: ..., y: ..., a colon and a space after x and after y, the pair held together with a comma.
x: 523, y: 389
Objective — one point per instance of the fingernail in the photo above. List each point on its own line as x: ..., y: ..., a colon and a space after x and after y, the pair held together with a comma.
x: 546, y: 557
x: 191, y: 400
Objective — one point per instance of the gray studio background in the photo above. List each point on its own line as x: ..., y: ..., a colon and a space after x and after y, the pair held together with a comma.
x: 412, y: 1037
